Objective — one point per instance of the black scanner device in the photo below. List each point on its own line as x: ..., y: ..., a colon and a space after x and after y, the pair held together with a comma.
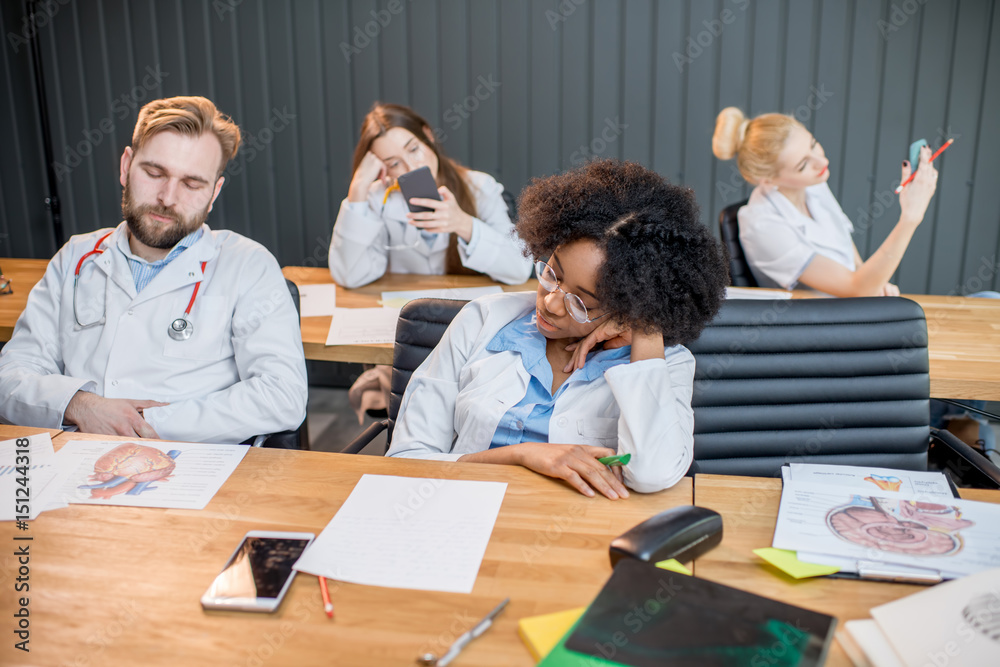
x: 683, y: 533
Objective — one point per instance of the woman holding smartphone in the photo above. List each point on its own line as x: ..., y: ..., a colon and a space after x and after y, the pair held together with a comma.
x: 467, y: 231
x: 794, y: 233
x: 593, y: 363
x: 792, y: 230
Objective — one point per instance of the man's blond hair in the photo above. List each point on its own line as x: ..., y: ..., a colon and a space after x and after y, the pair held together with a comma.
x: 191, y: 116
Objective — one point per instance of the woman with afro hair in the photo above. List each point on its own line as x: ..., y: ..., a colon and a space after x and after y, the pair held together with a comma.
x: 593, y: 363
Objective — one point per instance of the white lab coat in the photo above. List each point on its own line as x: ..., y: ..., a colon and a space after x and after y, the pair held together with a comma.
x: 779, y: 241
x: 458, y: 395
x: 242, y: 372
x: 367, y: 241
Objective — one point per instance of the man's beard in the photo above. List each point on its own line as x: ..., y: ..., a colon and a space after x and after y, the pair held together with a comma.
x: 149, y: 232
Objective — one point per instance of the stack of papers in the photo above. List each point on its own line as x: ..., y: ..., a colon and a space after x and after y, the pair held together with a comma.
x: 756, y: 293
x: 29, y: 481
x: 955, y: 624
x: 885, y: 523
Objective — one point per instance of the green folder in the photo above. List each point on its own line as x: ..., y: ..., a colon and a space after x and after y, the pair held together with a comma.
x: 560, y: 656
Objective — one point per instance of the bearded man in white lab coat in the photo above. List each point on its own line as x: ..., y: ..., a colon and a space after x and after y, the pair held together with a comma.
x: 92, y: 350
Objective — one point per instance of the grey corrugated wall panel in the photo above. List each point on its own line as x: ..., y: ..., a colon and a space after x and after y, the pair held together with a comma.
x: 25, y: 228
x: 983, y: 246
x: 518, y: 89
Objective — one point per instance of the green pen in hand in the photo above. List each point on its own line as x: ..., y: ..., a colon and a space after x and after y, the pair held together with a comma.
x: 616, y: 460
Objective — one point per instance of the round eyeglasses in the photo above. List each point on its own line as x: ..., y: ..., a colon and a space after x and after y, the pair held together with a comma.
x: 574, y: 304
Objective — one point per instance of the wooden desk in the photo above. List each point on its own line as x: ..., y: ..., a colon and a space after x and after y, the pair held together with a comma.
x: 964, y: 346
x: 8, y: 432
x: 24, y: 273
x: 315, y: 329
x: 121, y: 585
x: 749, y: 507
x: 964, y: 334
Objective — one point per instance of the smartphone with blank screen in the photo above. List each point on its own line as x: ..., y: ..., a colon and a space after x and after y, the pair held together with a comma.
x: 418, y: 183
x: 258, y: 573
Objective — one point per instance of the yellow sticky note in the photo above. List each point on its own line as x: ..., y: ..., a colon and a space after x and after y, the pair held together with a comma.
x: 673, y: 565
x: 789, y: 563
x: 541, y: 633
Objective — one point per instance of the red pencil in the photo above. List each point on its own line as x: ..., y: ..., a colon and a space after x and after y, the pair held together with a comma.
x: 327, y: 605
x: 933, y: 157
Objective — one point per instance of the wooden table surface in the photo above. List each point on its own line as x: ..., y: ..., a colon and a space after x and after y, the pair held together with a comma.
x: 964, y: 334
x: 749, y: 506
x: 315, y: 329
x: 24, y: 274
x: 121, y: 585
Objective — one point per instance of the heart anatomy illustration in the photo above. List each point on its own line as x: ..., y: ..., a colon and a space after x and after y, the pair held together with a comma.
x: 130, y: 468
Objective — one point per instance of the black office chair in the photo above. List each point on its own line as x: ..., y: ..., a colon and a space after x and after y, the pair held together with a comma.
x: 820, y: 381
x: 511, y: 201
x: 421, y: 324
x: 299, y: 438
x: 740, y: 274
x: 811, y: 380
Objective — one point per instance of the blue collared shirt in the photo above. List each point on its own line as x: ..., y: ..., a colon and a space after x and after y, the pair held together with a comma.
x: 142, y: 271
x: 528, y: 421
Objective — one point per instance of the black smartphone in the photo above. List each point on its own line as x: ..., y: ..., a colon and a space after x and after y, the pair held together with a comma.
x: 418, y: 183
x: 258, y: 573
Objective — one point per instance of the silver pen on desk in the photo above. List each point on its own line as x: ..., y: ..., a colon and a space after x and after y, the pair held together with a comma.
x: 463, y: 641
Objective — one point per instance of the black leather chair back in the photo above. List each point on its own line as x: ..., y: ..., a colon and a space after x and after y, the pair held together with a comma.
x: 421, y: 324
x: 811, y: 380
x: 740, y: 274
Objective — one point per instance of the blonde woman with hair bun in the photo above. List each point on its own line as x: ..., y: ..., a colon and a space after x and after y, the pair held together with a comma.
x: 793, y: 231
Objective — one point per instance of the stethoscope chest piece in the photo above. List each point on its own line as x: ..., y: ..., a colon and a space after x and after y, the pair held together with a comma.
x: 180, y: 329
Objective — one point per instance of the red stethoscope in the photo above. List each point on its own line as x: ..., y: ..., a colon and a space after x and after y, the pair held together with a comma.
x: 180, y: 329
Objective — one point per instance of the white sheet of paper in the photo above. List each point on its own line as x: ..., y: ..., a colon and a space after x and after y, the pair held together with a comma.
x: 952, y: 624
x: 37, y: 484
x: 401, y: 298
x: 408, y: 532
x: 909, y: 483
x: 199, y: 471
x: 868, y: 637
x: 756, y: 293
x: 356, y: 326
x: 952, y: 536
x: 317, y: 300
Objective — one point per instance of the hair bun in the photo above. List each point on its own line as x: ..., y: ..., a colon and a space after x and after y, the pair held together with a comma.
x: 730, y: 129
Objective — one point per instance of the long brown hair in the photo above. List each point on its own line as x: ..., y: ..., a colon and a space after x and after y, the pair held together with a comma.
x: 452, y: 175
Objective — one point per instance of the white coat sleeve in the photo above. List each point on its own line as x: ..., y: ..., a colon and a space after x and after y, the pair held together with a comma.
x: 272, y: 391
x: 656, y: 423
x: 494, y: 248
x: 33, y: 389
x: 358, y: 254
x: 425, y: 426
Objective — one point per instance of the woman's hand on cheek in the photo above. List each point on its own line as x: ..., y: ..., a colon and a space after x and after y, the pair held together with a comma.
x: 577, y: 464
x: 611, y: 334
x: 446, y: 217
x: 370, y: 170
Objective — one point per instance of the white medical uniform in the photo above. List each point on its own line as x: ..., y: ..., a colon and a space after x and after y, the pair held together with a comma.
x: 242, y: 372
x: 458, y: 395
x: 779, y: 241
x: 368, y: 241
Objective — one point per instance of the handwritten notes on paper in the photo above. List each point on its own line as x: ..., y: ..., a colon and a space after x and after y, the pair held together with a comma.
x: 29, y: 477
x: 401, y: 298
x: 360, y: 326
x: 408, y: 532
